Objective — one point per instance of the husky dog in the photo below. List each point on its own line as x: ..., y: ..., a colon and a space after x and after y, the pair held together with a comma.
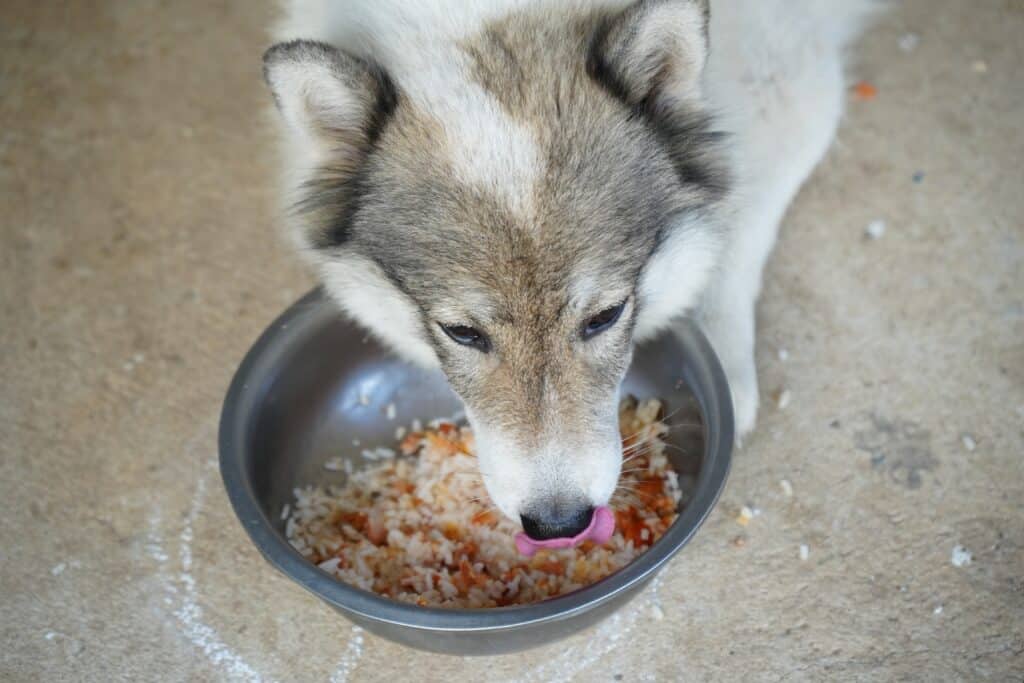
x: 518, y: 191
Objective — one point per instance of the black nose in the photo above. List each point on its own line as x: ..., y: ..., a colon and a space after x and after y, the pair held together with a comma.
x: 556, y: 521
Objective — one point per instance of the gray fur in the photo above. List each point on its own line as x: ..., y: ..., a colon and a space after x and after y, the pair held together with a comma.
x: 621, y: 166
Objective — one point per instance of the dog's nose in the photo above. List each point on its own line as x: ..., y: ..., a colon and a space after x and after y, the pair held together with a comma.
x: 556, y: 521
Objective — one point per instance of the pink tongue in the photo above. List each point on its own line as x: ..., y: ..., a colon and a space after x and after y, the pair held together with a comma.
x: 600, y: 529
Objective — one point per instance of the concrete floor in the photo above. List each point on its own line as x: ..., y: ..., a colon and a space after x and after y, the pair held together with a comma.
x: 139, y: 261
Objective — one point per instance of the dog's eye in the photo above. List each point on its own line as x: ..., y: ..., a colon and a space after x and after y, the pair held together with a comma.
x: 468, y: 336
x: 602, y: 321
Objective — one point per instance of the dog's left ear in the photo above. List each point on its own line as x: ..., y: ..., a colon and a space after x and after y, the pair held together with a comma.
x: 653, y: 52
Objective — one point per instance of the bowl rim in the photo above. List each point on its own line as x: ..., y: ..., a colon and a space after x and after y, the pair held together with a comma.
x: 703, y: 374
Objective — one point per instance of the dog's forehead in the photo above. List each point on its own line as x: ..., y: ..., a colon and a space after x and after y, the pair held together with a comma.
x: 508, y: 174
x: 521, y: 219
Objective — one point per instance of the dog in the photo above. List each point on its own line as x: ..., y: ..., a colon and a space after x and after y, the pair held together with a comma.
x: 519, y: 191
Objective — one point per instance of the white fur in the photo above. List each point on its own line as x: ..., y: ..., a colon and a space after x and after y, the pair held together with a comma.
x: 775, y: 78
x: 364, y: 292
x: 671, y: 29
x: 310, y: 96
x: 489, y: 150
x: 515, y: 479
x: 675, y: 276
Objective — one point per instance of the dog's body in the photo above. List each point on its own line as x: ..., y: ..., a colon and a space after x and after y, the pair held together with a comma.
x: 519, y: 190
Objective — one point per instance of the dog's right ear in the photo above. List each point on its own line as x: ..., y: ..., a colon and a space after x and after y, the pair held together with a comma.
x: 336, y: 101
x: 653, y: 51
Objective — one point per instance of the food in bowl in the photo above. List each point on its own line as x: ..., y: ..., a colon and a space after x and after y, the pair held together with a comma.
x: 418, y: 526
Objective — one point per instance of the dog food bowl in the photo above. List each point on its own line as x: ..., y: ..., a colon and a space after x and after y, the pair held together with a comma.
x: 315, y: 386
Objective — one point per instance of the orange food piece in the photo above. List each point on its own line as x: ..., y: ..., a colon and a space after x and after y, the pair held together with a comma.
x: 451, y: 530
x: 466, y: 577
x: 442, y: 444
x: 467, y: 550
x: 485, y: 517
x: 405, y: 486
x: 411, y: 443
x: 662, y: 505
x: 445, y: 445
x: 446, y: 428
x: 552, y: 566
x: 357, y: 520
x: 649, y: 489
x: 865, y: 91
x: 629, y: 522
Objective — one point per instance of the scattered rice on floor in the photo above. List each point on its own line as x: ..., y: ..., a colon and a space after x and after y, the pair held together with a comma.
x: 961, y: 556
x: 875, y: 229
x: 783, y: 399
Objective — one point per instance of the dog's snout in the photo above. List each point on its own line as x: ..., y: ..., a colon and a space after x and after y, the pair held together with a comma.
x: 556, y: 519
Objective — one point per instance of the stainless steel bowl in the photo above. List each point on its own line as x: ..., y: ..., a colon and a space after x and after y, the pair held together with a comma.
x: 315, y: 386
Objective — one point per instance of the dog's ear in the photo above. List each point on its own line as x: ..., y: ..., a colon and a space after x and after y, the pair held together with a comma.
x: 334, y: 100
x: 653, y: 52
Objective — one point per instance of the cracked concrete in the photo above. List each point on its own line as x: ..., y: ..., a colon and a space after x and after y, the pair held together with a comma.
x: 139, y: 261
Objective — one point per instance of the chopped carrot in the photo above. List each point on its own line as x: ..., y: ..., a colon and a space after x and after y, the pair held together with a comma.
x: 649, y: 489
x: 485, y: 517
x: 411, y: 443
x: 628, y: 520
x: 463, y: 578
x: 865, y: 91
x: 467, y: 550
x: 553, y: 566
x: 442, y: 444
x: 357, y: 520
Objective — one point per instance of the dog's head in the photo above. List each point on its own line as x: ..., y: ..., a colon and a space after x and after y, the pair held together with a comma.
x: 519, y: 209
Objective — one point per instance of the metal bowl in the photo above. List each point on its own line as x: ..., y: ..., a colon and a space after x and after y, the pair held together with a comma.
x: 315, y: 386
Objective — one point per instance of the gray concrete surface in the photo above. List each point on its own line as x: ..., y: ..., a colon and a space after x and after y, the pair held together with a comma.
x: 139, y: 261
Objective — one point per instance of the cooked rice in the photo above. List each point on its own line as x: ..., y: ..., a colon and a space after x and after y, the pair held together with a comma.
x: 419, y: 527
